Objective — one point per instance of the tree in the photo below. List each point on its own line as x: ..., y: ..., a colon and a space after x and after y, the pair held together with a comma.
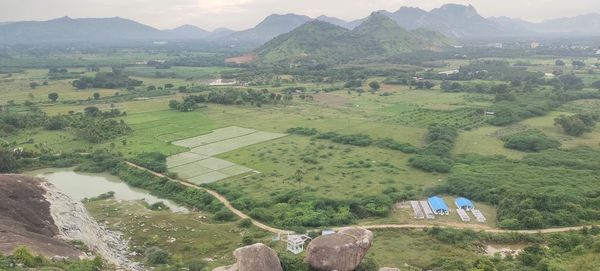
x: 96, y: 95
x: 169, y: 86
x: 53, y: 96
x: 33, y: 85
x: 596, y: 84
x: 576, y: 125
x: 374, y: 86
x: 559, y: 62
x: 578, y: 63
x: 8, y: 163
x: 91, y: 111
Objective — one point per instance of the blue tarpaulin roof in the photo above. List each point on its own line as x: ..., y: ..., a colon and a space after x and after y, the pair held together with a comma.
x: 437, y: 204
x: 463, y: 202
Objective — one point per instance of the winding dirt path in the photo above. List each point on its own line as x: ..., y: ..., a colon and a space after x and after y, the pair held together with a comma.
x: 265, y: 227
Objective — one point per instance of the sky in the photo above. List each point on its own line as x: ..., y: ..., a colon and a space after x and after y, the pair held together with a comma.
x: 243, y: 14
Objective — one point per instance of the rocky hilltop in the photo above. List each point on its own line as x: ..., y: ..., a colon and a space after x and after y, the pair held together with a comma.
x: 26, y: 220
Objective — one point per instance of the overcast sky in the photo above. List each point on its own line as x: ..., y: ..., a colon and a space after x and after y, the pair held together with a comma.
x: 241, y: 14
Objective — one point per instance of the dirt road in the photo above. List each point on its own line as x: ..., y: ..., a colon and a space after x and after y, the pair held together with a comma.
x: 242, y: 215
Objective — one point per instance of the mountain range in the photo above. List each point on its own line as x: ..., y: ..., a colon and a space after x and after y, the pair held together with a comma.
x: 378, y: 36
x: 457, y: 21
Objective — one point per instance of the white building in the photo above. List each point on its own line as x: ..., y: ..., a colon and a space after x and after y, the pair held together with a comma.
x: 295, y: 243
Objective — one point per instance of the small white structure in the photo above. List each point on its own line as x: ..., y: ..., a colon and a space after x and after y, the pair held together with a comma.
x: 417, y: 210
x: 295, y: 242
x: 327, y: 232
x: 479, y: 216
x: 223, y: 82
x: 428, y: 212
x: 447, y: 73
x: 463, y: 215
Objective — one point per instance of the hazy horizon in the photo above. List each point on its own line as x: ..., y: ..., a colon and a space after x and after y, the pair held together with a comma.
x: 243, y: 14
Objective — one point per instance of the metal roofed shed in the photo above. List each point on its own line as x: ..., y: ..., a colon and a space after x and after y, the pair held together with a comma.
x: 465, y: 204
x: 438, y: 206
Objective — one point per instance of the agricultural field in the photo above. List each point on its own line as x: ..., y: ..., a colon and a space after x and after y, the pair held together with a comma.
x: 351, y: 160
x: 198, y: 166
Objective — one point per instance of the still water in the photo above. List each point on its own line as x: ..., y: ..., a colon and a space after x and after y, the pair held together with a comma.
x: 80, y: 185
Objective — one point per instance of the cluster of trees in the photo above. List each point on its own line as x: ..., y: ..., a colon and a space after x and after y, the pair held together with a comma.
x: 294, y: 210
x: 509, y: 112
x: 62, y: 74
x: 540, y: 254
x: 360, y: 140
x: 437, y: 155
x: 531, y: 140
x: 547, y: 189
x: 109, y: 80
x: 23, y: 259
x: 577, y: 125
x: 154, y: 161
x: 93, y: 125
x: 231, y: 97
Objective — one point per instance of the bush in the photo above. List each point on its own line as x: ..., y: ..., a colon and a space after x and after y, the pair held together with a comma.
x: 224, y: 215
x: 530, y: 141
x: 156, y: 256
x: 154, y: 161
x: 431, y: 163
x: 245, y: 223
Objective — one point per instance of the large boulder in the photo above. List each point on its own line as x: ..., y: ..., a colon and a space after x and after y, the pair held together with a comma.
x: 253, y: 258
x: 341, y: 251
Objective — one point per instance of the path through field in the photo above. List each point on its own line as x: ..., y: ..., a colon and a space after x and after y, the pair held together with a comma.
x: 265, y: 227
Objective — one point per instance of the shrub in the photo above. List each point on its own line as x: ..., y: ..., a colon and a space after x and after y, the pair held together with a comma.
x: 530, y: 141
x: 156, y: 256
x: 224, y: 215
x: 245, y: 223
x: 431, y: 163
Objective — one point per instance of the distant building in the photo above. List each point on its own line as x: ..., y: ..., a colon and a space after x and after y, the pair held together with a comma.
x: 465, y: 204
x: 598, y: 52
x: 534, y: 45
x: 438, y: 206
x: 327, y: 232
x: 549, y: 75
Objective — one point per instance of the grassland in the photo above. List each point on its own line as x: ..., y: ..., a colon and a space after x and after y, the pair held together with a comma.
x: 186, y: 236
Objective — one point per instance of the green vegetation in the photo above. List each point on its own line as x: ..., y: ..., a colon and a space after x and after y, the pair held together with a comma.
x: 360, y: 140
x: 154, y: 161
x: 108, y: 80
x: 530, y: 141
x: 578, y: 124
x: 549, y: 189
x: 324, y: 43
x: 435, y: 157
x: 376, y: 123
x: 23, y: 259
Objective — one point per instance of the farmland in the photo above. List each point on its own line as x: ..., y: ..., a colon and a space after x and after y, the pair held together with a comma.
x: 349, y: 159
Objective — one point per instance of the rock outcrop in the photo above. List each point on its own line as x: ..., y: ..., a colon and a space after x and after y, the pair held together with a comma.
x: 253, y: 258
x: 25, y: 219
x: 341, y: 251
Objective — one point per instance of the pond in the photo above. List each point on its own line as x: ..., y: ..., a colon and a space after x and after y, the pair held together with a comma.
x: 78, y: 186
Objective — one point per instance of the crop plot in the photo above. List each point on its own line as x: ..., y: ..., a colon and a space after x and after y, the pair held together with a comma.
x: 421, y: 117
x: 199, y: 166
x: 215, y: 136
x: 235, y: 143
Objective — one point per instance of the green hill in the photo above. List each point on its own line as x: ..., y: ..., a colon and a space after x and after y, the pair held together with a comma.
x: 321, y: 42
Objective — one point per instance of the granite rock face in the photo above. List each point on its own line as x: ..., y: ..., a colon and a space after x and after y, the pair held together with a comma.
x: 253, y: 258
x: 341, y: 251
